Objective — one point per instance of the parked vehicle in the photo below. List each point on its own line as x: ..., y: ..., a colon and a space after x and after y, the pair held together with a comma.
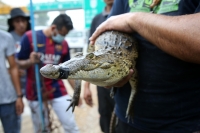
x: 77, y: 39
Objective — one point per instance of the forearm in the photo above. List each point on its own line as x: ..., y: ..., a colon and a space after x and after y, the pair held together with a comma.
x: 87, y: 85
x: 24, y: 64
x: 14, y: 72
x: 177, y: 36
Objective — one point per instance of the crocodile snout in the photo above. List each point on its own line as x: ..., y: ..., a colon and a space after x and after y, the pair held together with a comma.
x: 50, y: 71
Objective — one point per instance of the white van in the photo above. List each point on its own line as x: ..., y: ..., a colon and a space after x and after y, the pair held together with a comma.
x: 77, y: 39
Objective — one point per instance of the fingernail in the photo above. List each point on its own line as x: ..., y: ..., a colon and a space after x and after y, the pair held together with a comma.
x: 131, y: 71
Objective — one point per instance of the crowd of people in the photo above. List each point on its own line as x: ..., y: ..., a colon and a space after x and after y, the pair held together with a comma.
x: 17, y: 49
x: 168, y: 94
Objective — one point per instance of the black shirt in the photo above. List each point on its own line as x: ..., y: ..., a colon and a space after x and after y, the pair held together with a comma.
x: 97, y: 20
x: 168, y: 93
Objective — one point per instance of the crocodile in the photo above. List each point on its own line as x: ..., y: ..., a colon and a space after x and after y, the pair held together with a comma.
x: 114, y: 54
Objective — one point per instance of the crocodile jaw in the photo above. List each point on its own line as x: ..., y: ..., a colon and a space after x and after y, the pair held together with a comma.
x: 50, y: 71
x: 97, y: 76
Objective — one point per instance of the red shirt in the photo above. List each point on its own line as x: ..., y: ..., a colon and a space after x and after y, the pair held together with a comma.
x: 52, y: 53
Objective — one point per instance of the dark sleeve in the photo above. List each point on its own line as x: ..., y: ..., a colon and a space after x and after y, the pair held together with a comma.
x: 96, y: 21
x: 198, y: 8
x: 67, y: 55
x: 25, y: 50
x: 119, y: 7
x: 93, y: 26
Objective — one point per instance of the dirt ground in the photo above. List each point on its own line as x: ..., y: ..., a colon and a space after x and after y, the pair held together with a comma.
x: 87, y: 118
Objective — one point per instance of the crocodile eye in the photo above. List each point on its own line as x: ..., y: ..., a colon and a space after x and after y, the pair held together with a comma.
x: 90, y: 55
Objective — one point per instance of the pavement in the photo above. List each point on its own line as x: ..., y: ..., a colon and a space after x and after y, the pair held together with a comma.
x: 87, y: 118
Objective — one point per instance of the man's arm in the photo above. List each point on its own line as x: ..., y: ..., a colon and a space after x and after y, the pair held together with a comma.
x: 26, y: 57
x: 14, y: 73
x: 176, y: 35
x: 33, y: 59
x: 87, y: 94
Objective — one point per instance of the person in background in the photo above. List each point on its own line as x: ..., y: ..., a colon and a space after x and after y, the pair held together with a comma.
x: 52, y: 49
x: 167, y: 98
x: 11, y: 104
x: 105, y: 102
x: 18, y: 24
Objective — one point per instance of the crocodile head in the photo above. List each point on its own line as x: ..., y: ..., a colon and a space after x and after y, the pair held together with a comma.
x: 100, y: 67
x: 114, y: 55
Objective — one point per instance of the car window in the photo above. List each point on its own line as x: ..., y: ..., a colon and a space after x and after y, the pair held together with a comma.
x: 75, y: 34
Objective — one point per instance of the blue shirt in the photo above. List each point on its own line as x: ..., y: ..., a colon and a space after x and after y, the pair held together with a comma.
x: 7, y: 48
x: 168, y: 93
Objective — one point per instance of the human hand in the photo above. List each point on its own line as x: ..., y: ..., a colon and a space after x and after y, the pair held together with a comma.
x: 88, y: 96
x: 34, y: 57
x: 119, y: 23
x: 21, y: 72
x: 19, y: 105
x: 123, y: 81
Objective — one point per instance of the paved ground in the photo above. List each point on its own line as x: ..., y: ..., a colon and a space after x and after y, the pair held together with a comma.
x: 87, y: 118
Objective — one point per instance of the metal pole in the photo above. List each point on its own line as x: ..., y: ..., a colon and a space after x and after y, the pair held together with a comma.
x: 37, y: 76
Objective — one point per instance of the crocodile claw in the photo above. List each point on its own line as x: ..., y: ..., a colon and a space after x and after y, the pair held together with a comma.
x: 76, y: 96
x: 73, y: 103
x: 129, y: 115
x: 112, y: 92
x: 129, y: 118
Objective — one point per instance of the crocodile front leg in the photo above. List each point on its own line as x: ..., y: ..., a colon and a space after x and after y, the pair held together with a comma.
x: 112, y: 92
x: 129, y: 111
x: 76, y: 96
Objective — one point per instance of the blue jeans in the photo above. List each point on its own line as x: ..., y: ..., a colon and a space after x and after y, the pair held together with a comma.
x: 9, y: 118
